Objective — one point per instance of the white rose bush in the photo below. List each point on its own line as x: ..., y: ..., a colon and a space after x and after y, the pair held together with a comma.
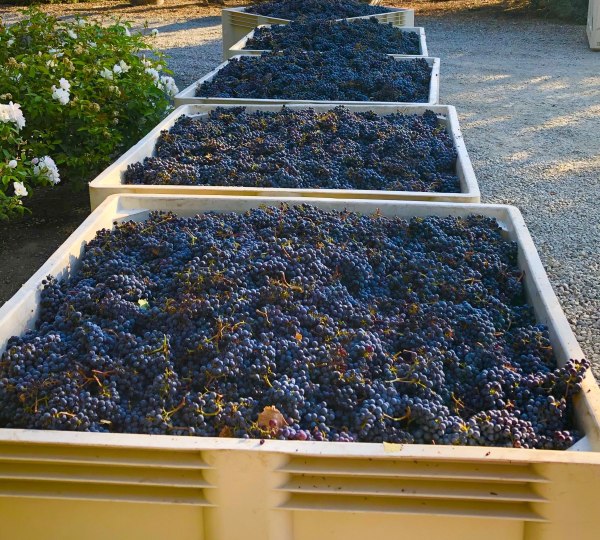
x: 20, y: 171
x: 73, y: 96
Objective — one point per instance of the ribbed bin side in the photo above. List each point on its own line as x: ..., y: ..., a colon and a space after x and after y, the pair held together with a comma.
x: 188, y: 95
x: 53, y: 491
x: 593, y: 24
x: 109, y: 182
x: 289, y: 491
x: 400, y: 17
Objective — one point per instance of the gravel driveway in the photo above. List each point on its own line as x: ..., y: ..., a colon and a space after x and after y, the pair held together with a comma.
x: 528, y: 97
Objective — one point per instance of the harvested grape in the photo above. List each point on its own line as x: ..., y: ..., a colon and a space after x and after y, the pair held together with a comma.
x: 294, y: 323
x: 335, y: 149
x: 315, y: 9
x: 323, y: 36
x: 344, y: 74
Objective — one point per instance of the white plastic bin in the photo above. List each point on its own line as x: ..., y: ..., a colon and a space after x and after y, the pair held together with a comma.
x: 109, y: 182
x: 66, y: 486
x: 238, y: 48
x: 593, y: 24
x: 188, y: 95
x: 237, y: 22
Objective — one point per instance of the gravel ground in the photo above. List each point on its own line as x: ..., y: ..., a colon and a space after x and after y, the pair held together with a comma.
x: 528, y: 97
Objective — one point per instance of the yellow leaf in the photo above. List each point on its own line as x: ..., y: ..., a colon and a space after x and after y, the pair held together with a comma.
x: 390, y: 448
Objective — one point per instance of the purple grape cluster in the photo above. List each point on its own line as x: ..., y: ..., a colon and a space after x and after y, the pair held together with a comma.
x: 335, y: 149
x: 344, y: 74
x: 315, y: 9
x: 323, y: 36
x: 294, y: 323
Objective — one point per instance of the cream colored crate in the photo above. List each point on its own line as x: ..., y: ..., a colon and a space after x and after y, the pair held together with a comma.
x: 110, y: 181
x: 68, y: 486
x: 238, y: 48
x: 237, y: 22
x: 188, y: 95
x: 593, y: 24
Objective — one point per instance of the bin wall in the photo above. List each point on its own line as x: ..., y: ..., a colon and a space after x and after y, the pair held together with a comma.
x: 593, y: 24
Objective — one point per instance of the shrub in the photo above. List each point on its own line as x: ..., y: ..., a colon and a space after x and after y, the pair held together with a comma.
x: 19, y: 170
x: 85, y: 89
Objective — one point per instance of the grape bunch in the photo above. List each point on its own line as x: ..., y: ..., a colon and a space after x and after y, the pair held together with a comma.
x: 335, y: 149
x: 315, y: 9
x: 324, y: 36
x: 294, y: 323
x: 343, y: 74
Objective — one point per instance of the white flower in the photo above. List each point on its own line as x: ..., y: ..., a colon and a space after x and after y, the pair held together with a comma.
x: 12, y: 164
x: 125, y: 29
x: 20, y: 189
x: 168, y: 85
x: 146, y: 63
x: 117, y: 69
x: 61, y: 95
x: 115, y: 89
x: 52, y: 51
x: 51, y: 63
x: 64, y: 84
x: 12, y: 113
x: 154, y: 32
x: 46, y: 167
x: 107, y: 74
x: 153, y: 73
x: 10, y: 42
x: 81, y: 22
x: 124, y: 66
x: 71, y: 34
x: 92, y: 44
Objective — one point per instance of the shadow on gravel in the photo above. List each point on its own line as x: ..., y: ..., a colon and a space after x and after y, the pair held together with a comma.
x: 202, y: 22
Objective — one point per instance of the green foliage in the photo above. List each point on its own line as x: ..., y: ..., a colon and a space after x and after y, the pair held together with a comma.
x: 19, y: 170
x: 84, y: 89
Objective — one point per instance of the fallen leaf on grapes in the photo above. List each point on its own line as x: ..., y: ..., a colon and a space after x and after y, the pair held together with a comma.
x: 271, y: 420
x: 298, y: 336
x: 143, y: 304
x: 226, y: 432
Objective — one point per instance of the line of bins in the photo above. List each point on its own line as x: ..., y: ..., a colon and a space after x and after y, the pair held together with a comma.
x: 148, y: 487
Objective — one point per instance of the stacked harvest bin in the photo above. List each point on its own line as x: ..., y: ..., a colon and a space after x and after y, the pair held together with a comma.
x: 99, y: 486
